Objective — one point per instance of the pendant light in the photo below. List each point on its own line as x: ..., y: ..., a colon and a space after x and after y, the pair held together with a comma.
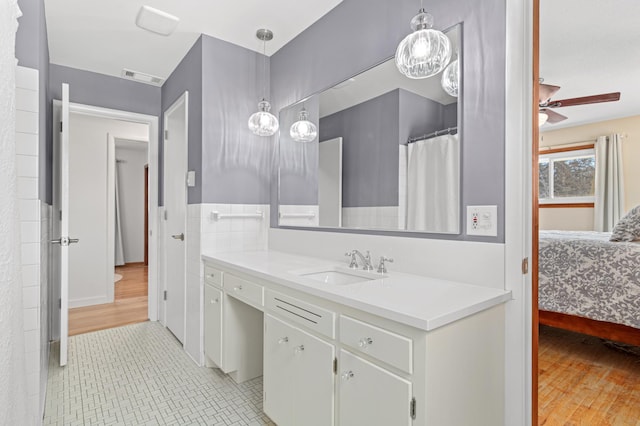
x: 451, y: 78
x: 263, y: 123
x: 303, y: 130
x: 424, y: 52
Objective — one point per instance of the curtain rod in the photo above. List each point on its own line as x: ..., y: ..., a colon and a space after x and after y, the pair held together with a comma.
x: 446, y: 131
x: 577, y: 143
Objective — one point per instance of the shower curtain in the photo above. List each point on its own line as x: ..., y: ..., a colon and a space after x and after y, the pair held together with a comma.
x: 433, y: 189
x: 13, y: 377
x: 119, y: 255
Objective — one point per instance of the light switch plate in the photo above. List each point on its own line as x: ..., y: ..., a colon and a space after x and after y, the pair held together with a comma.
x: 482, y: 220
x: 191, y: 178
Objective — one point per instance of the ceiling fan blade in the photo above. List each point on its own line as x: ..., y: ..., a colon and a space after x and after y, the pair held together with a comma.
x: 585, y: 100
x: 554, y: 117
x: 547, y: 91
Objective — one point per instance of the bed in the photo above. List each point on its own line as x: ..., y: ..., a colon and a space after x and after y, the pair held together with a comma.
x: 590, y: 285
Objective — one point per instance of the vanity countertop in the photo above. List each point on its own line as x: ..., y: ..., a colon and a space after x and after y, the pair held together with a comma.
x: 418, y: 301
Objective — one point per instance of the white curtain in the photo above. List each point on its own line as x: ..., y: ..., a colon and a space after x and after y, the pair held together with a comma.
x: 609, y: 185
x: 433, y: 185
x: 13, y: 383
x: 119, y: 255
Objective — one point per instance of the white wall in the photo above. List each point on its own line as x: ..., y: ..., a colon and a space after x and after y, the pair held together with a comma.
x: 89, y: 268
x: 131, y: 190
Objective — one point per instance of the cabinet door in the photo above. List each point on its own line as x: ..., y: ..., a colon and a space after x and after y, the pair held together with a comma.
x: 278, y: 376
x: 213, y: 324
x: 370, y: 395
x: 314, y: 403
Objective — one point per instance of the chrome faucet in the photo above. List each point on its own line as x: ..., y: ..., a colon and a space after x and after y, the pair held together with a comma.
x: 382, y: 267
x: 366, y: 260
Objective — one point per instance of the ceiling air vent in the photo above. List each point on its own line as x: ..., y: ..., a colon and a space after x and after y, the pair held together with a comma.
x: 141, y: 77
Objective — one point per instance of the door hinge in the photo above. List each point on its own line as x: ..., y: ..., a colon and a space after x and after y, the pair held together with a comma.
x: 61, y: 127
x: 412, y: 408
x: 60, y: 215
x: 525, y: 266
x: 335, y: 365
x: 166, y: 135
x: 165, y: 215
x: 59, y: 303
x: 165, y: 295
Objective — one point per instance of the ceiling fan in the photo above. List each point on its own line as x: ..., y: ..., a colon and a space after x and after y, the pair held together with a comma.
x: 546, y: 114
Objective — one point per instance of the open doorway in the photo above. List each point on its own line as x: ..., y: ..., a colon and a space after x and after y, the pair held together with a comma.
x: 97, y: 299
x: 586, y: 328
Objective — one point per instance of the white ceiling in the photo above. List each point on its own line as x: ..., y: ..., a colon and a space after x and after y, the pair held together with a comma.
x: 101, y: 36
x: 590, y: 47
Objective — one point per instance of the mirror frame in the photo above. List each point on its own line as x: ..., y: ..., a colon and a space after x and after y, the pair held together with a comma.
x: 275, y: 205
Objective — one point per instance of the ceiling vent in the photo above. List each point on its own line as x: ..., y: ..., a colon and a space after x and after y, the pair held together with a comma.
x: 142, y: 77
x: 156, y: 21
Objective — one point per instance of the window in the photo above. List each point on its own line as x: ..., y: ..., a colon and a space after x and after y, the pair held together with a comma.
x: 567, y: 177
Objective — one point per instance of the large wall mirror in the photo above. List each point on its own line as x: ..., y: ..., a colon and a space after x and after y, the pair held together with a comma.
x: 385, y: 154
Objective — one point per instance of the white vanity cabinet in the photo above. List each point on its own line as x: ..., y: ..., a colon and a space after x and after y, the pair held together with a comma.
x: 298, y: 376
x: 213, y: 320
x: 370, y: 395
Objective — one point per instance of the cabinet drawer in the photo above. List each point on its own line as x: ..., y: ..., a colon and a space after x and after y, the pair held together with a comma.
x: 381, y: 344
x: 213, y: 276
x: 213, y: 324
x: 243, y: 290
x: 311, y: 316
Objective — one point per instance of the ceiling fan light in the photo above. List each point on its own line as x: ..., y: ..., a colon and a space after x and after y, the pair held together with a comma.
x: 425, y: 52
x: 542, y: 118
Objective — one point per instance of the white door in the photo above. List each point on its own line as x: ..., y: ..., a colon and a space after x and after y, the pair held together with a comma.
x: 175, y: 202
x: 370, y: 395
x: 330, y: 182
x: 61, y: 229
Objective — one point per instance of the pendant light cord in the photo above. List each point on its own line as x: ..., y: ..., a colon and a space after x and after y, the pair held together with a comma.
x: 264, y: 69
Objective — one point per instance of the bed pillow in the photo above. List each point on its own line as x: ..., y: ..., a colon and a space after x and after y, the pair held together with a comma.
x: 627, y: 228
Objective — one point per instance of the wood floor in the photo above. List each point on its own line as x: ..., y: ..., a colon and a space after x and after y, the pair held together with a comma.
x: 130, y: 304
x: 584, y: 380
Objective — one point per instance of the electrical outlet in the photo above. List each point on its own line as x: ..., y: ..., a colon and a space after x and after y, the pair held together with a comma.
x: 482, y: 220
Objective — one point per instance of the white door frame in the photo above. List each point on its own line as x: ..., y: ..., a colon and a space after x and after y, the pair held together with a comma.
x: 518, y: 205
x: 152, y: 153
x: 179, y: 102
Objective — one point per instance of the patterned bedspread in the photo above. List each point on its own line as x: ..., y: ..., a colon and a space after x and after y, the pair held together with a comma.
x: 584, y: 274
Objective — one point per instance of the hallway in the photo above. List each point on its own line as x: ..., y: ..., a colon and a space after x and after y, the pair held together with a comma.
x: 129, y: 307
x: 139, y: 374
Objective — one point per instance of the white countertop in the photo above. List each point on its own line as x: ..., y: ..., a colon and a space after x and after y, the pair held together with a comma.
x: 418, y: 301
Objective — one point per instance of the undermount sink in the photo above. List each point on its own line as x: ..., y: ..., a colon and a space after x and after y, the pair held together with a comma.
x: 337, y: 276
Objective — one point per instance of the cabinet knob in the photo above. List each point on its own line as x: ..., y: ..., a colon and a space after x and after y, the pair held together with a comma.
x: 299, y: 349
x: 214, y: 301
x: 211, y: 275
x: 347, y: 375
x: 238, y: 288
x: 365, y: 342
x: 285, y: 339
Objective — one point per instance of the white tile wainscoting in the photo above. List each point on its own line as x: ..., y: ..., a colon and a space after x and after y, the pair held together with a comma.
x: 34, y: 217
x: 206, y: 234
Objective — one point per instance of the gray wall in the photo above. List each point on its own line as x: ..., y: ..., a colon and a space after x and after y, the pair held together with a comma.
x: 419, y: 116
x: 32, y: 51
x: 331, y: 51
x: 369, y: 150
x: 186, y: 77
x: 236, y: 164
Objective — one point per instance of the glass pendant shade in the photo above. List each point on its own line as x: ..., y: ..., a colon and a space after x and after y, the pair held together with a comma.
x: 303, y: 130
x: 263, y: 123
x: 424, y: 52
x: 451, y: 78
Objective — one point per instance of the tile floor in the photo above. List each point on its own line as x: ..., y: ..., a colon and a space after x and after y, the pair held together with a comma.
x: 139, y: 375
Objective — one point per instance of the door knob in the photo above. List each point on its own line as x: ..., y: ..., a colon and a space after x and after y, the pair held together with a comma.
x: 178, y: 237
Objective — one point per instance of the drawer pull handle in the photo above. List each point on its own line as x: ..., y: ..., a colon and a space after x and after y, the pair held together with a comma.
x: 238, y: 288
x: 347, y: 375
x: 365, y: 342
x: 299, y: 349
x: 283, y: 340
x: 213, y: 301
